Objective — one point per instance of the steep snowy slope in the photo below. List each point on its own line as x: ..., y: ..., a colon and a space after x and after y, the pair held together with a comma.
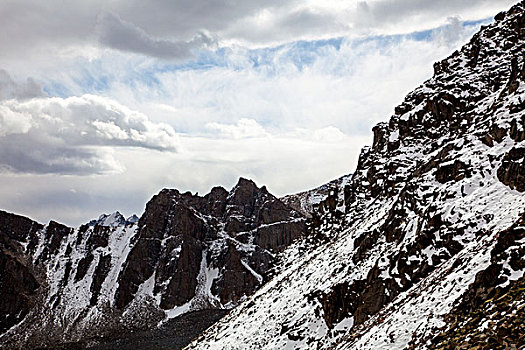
x: 432, y: 214
x: 115, y: 275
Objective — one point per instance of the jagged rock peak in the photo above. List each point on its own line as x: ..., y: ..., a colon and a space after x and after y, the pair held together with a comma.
x: 133, y: 219
x: 243, y: 182
x: 229, y: 234
x: 185, y: 253
x: 245, y: 199
x: 114, y: 219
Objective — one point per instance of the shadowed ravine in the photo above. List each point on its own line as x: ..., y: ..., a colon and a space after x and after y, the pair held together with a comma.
x: 173, y: 335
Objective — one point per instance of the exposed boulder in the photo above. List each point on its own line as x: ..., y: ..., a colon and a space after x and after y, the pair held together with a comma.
x: 512, y: 169
x: 452, y: 171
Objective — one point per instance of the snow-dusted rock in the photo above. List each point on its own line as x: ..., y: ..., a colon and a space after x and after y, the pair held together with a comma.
x: 113, y: 274
x: 421, y: 221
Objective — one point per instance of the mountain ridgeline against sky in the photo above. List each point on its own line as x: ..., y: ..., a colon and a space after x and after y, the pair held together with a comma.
x: 114, y: 275
x: 421, y: 247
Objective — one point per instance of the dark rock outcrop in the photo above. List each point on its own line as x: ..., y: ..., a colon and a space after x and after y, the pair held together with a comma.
x: 182, y: 283
x: 18, y: 227
x: 61, y: 286
x: 83, y: 266
x: 55, y: 233
x: 512, y: 169
x: 360, y: 299
x: 18, y: 284
x: 18, y: 280
x: 99, y: 276
x: 177, y: 228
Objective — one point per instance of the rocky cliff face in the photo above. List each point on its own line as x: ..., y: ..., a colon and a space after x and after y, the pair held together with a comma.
x: 18, y: 281
x: 114, y: 275
x: 233, y: 234
x: 428, y: 228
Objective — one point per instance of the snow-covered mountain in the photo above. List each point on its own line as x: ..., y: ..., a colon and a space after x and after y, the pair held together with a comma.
x: 429, y: 230
x: 423, y: 246
x: 115, y: 275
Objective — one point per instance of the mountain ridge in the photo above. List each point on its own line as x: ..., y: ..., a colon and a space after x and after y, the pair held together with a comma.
x: 419, y: 221
x: 186, y: 253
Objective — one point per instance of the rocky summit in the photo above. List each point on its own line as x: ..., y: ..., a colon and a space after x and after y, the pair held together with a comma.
x: 78, y: 287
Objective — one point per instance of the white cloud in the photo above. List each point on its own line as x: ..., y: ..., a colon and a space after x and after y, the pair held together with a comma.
x: 110, y: 131
x: 244, y: 128
x: 12, y: 122
x: 350, y: 86
x: 74, y: 135
x: 286, y: 163
x: 328, y: 134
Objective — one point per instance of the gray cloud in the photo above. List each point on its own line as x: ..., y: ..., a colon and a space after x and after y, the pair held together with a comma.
x: 124, y: 36
x: 29, y: 26
x: 172, y: 26
x: 42, y: 158
x: 74, y: 135
x: 9, y: 89
x: 164, y: 18
x: 172, y: 29
x: 286, y: 24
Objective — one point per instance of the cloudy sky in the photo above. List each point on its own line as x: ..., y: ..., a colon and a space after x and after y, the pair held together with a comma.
x: 105, y: 102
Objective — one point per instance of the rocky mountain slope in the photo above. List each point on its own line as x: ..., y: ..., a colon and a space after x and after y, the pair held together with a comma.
x: 426, y: 248
x: 114, y: 275
x: 308, y: 202
x: 423, y: 246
